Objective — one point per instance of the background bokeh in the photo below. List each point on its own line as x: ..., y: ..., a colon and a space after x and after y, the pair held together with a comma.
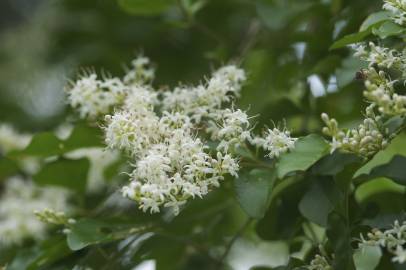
x: 284, y: 46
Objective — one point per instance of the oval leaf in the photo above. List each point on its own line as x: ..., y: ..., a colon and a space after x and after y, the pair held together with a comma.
x: 307, y: 151
x: 253, y: 191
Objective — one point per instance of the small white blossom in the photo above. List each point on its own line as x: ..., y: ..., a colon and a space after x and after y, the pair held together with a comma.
x: 203, y: 100
x: 319, y: 263
x: 231, y: 128
x: 140, y: 72
x: 275, y: 141
x: 131, y: 131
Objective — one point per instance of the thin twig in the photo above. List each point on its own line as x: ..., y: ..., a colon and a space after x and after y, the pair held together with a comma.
x: 249, y: 39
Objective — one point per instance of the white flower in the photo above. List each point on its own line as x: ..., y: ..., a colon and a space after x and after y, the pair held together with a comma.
x: 176, y: 169
x: 93, y: 97
x: 18, y: 202
x: 230, y: 127
x: 131, y: 131
x: 392, y: 239
x: 276, y: 142
x: 398, y: 9
x: 140, y: 73
x: 140, y: 99
x: 200, y: 101
x: 400, y: 255
x: 10, y: 139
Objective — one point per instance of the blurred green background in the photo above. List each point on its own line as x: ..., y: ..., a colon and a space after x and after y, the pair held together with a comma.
x: 283, y: 45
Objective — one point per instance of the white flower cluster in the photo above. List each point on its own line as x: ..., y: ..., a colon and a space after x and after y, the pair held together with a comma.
x: 398, y: 10
x: 171, y: 164
x: 379, y: 88
x: 205, y: 101
x: 380, y: 56
x: 141, y: 72
x: 93, y: 97
x: 393, y: 240
x: 365, y: 140
x: 371, y: 136
x: 319, y: 263
x: 10, y: 139
x: 160, y: 132
x: 275, y: 141
x: 18, y: 201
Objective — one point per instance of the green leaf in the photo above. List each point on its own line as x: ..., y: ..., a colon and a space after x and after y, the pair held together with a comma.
x: 367, y: 258
x: 69, y: 173
x: 374, y: 18
x: 334, y: 163
x: 83, y: 136
x: 87, y: 232
x: 350, y: 39
x: 322, y: 194
x: 47, y: 144
x: 44, y: 144
x: 388, y: 29
x: 394, y: 124
x: 396, y: 147
x: 253, y: 191
x: 394, y: 169
x: 145, y: 7
x: 307, y: 151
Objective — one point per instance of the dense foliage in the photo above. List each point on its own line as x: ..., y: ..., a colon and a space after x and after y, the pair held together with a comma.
x: 198, y: 134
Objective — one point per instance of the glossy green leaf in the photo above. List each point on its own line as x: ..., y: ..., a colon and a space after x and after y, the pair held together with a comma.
x: 350, y: 39
x: 334, y: 163
x: 253, y: 191
x: 388, y: 29
x: 373, y: 19
x: 319, y: 201
x: 87, y: 232
x: 394, y: 169
x: 308, y: 150
x: 68, y: 173
x: 44, y: 144
x: 367, y: 257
